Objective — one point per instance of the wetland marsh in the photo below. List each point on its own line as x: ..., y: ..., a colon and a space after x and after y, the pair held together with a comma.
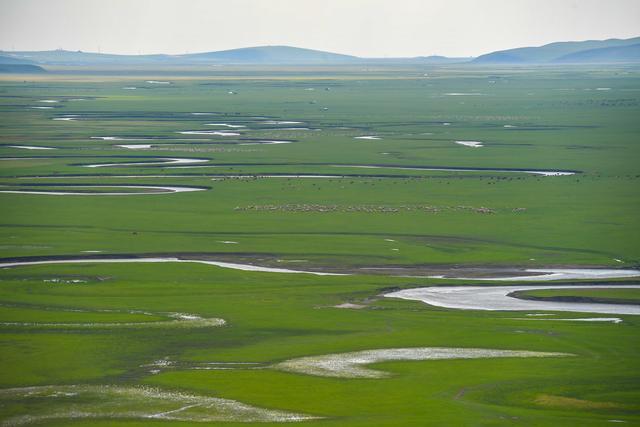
x: 345, y: 255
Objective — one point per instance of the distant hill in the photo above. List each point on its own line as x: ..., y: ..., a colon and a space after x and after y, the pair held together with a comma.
x: 67, y: 57
x: 590, y: 51
x: 261, y: 55
x: 251, y: 55
x: 619, y: 54
x: 556, y: 52
x: 269, y: 55
x: 21, y: 68
x: 12, y: 60
x: 9, y: 64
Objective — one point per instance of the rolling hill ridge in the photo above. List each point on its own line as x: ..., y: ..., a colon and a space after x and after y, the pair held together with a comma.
x: 590, y: 51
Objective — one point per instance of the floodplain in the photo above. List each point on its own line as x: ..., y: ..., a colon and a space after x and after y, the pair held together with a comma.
x: 195, y: 247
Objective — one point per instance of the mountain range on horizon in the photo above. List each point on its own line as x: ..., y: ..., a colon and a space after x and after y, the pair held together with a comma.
x: 588, y: 51
x: 259, y: 55
x: 581, y: 52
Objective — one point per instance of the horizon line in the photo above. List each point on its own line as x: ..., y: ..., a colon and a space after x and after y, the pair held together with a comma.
x: 99, y: 52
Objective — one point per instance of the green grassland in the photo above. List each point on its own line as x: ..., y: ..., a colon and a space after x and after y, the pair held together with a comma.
x: 555, y: 118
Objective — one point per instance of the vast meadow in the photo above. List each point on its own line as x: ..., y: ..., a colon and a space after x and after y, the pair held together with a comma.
x: 213, y: 246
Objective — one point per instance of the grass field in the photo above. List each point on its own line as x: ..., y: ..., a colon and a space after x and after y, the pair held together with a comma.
x: 285, y: 181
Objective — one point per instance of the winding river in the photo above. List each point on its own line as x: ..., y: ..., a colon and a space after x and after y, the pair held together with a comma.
x: 231, y: 265
x: 147, y: 189
x: 497, y: 298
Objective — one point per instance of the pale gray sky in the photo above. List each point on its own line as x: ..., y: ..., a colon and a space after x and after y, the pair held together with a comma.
x: 358, y: 27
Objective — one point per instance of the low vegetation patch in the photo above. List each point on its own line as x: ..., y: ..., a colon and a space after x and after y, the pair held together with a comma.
x: 371, y: 208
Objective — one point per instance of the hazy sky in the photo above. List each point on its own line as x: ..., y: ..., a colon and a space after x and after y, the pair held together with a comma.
x: 359, y: 27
